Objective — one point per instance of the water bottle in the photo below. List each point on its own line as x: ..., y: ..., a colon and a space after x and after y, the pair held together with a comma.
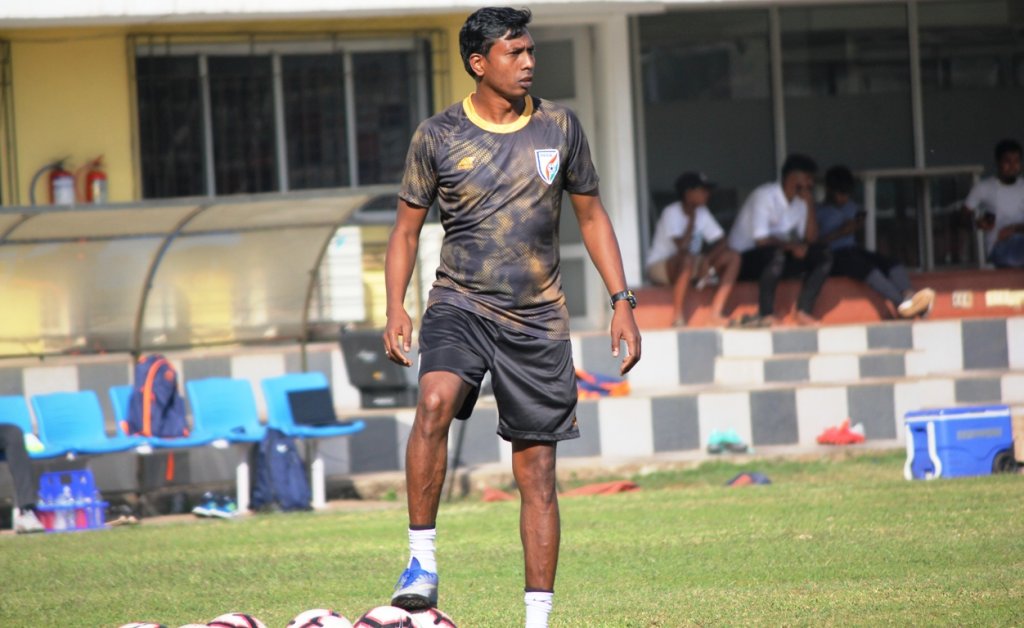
x: 81, y: 511
x: 85, y: 512
x: 92, y: 509
x: 66, y: 514
x: 45, y: 514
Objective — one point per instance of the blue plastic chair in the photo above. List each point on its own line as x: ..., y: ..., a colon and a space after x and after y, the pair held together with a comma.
x: 224, y: 408
x: 279, y: 416
x: 119, y: 399
x: 14, y: 410
x: 279, y: 411
x: 74, y: 421
x: 119, y: 396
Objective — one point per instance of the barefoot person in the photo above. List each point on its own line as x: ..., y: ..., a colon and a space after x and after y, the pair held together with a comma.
x: 689, y: 246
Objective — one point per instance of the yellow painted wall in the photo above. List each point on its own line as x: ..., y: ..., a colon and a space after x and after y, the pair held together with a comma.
x: 73, y: 93
x: 71, y: 100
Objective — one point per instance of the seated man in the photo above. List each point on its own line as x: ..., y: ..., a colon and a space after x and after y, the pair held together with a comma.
x: 684, y: 229
x: 839, y: 218
x: 776, y: 234
x: 998, y: 207
x: 12, y: 445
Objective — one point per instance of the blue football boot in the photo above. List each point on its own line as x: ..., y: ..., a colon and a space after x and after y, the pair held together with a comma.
x: 416, y: 589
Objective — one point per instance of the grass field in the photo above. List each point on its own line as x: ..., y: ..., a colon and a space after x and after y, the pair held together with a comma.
x: 833, y: 542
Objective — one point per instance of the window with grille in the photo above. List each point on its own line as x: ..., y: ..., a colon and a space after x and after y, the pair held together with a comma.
x: 273, y: 116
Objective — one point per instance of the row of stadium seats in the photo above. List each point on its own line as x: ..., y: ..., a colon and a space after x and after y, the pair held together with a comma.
x: 224, y: 414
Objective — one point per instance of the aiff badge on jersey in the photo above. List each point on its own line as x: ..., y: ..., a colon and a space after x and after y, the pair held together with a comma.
x: 548, y: 161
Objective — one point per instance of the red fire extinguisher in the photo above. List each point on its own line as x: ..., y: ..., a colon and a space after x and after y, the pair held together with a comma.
x: 95, y: 182
x: 61, y: 185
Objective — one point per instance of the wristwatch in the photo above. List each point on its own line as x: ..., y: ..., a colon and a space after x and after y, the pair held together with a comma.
x: 626, y: 295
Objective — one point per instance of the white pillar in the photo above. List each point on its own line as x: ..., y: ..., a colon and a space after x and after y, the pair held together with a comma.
x: 615, y: 119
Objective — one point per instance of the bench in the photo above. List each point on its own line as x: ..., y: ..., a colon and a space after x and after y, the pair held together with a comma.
x: 959, y: 294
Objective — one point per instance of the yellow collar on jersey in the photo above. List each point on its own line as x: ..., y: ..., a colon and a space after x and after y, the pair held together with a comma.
x: 511, y: 127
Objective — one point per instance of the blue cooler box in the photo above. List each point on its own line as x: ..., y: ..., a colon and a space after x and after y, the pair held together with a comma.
x: 955, y: 442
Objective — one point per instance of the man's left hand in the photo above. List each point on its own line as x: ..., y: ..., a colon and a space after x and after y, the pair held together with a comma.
x: 624, y: 329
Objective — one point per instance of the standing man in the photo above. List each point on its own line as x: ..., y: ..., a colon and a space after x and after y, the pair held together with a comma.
x: 497, y: 164
x: 998, y: 205
x: 776, y: 234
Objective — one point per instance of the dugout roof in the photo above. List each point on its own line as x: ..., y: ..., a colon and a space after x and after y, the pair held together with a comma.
x: 159, y: 275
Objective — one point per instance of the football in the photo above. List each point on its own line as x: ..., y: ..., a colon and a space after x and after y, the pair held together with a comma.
x: 385, y: 617
x: 236, y: 620
x: 332, y: 621
x: 432, y: 618
x: 319, y: 618
x: 142, y: 624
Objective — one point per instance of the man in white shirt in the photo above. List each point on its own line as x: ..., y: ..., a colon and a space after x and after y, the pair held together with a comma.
x: 998, y: 207
x: 685, y: 229
x: 776, y: 234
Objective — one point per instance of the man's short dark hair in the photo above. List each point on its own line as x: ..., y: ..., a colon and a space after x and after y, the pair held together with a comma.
x: 839, y: 179
x: 1007, y: 146
x: 799, y: 163
x: 690, y: 180
x: 486, y: 26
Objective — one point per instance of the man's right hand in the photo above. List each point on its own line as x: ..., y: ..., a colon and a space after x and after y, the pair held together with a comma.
x: 398, y: 337
x: 799, y: 250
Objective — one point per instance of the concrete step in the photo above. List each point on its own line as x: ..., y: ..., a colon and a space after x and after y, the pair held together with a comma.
x: 673, y: 357
x: 677, y: 401
x: 820, y: 367
x: 680, y: 419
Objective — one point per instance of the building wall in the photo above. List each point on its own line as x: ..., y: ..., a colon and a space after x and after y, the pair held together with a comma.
x: 73, y: 93
x: 71, y: 99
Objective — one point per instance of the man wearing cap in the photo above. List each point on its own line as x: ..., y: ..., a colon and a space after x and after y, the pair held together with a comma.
x: 685, y: 230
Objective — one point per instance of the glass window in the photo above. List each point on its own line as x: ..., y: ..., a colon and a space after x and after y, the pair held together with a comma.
x: 314, y: 105
x: 271, y: 131
x: 170, y: 126
x: 846, y: 77
x: 707, y: 104
x: 385, y: 107
x: 972, y: 76
x: 242, y: 104
x: 557, y: 60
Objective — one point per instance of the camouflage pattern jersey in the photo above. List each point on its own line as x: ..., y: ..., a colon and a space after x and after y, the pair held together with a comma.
x: 499, y: 189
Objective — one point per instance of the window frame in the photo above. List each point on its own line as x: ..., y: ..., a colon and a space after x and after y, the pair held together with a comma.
x: 275, y: 47
x: 8, y: 155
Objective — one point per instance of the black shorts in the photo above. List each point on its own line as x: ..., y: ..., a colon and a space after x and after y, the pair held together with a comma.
x: 534, y: 379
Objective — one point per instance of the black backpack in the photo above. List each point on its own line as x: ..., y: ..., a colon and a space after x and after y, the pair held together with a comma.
x: 280, y: 475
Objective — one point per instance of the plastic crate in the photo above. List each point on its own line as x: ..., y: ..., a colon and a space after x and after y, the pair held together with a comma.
x: 69, y: 501
x: 956, y: 442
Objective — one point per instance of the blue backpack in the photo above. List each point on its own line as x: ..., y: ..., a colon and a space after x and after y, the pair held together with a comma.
x: 280, y: 474
x: 155, y: 408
